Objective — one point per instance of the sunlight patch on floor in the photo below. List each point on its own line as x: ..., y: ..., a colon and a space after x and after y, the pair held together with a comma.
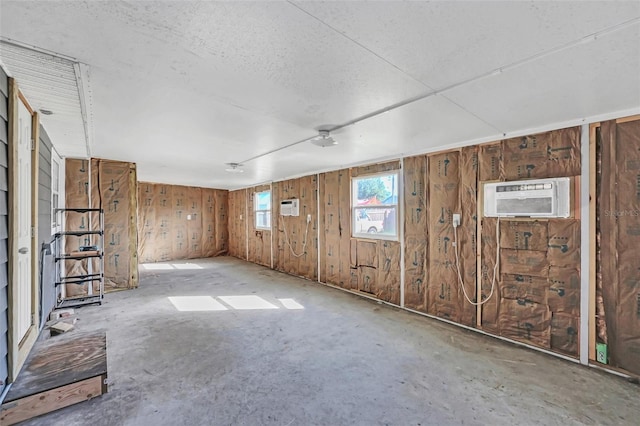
x: 156, y: 266
x: 241, y: 303
x: 196, y: 303
x: 187, y: 266
x: 247, y: 302
x: 290, y: 304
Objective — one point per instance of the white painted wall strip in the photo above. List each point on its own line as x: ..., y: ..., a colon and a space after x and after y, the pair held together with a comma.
x: 318, y: 222
x: 401, y: 227
x: 246, y: 223
x: 584, y: 248
x: 272, y: 229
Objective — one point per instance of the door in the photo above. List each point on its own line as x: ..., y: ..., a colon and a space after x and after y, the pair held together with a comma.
x: 23, y: 310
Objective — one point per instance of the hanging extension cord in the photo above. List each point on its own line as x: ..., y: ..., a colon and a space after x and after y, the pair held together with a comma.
x: 495, y: 268
x: 286, y: 237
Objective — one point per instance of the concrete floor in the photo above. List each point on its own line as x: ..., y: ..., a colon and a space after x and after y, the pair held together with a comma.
x: 342, y: 360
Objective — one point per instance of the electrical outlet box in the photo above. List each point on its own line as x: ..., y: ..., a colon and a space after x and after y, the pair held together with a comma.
x: 456, y: 220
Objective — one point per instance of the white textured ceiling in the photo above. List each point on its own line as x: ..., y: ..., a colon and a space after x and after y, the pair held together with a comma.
x: 181, y: 88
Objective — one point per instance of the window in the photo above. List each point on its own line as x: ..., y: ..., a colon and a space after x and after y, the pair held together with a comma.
x: 262, y: 208
x: 55, y: 191
x: 374, y: 206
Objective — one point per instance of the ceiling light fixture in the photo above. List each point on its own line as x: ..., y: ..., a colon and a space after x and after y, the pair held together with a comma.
x: 234, y: 168
x: 324, y: 139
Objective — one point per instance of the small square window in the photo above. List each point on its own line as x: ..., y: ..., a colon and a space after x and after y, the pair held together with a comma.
x: 374, y: 204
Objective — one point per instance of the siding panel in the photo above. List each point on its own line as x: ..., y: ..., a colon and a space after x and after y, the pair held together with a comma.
x: 4, y: 135
x: 4, y: 85
x: 4, y: 176
x: 48, y: 300
x: 4, y: 319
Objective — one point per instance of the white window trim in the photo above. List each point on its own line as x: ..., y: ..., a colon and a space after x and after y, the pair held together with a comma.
x: 256, y: 210
x: 56, y: 226
x: 365, y: 235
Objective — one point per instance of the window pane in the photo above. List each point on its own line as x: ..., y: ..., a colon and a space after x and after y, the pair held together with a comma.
x: 263, y: 200
x: 390, y: 222
x: 371, y: 220
x: 54, y: 205
x: 263, y: 219
x: 374, y: 204
x: 375, y: 191
x: 55, y: 176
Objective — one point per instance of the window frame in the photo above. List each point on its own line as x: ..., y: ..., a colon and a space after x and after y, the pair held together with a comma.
x: 256, y: 210
x: 396, y: 206
x: 58, y: 191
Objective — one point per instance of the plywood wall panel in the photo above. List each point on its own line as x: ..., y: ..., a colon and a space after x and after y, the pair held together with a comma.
x: 415, y: 232
x: 489, y: 161
x: 525, y: 321
x: 543, y: 155
x: 525, y: 288
x: 190, y: 218
x: 296, y: 237
x: 375, y: 168
x: 489, y: 276
x: 259, y: 240
x: 344, y: 226
x: 164, y: 233
x: 221, y: 228
x: 524, y: 235
x: 444, y: 293
x: 193, y: 211
x: 524, y: 262
x: 388, y: 281
x: 565, y: 333
x: 539, y: 260
x: 180, y: 231
x: 237, y: 225
x: 115, y: 198
x: 76, y: 196
x: 322, y: 234
x: 468, y: 232
x: 415, y: 275
x: 112, y: 186
x: 209, y: 223
x: 619, y: 220
x: 336, y: 212
x: 146, y: 221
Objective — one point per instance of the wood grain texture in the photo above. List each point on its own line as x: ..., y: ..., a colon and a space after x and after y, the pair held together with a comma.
x: 134, y: 279
x: 592, y: 240
x: 48, y: 401
x: 60, y: 361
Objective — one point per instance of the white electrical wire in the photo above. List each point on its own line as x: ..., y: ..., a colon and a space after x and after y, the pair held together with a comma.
x: 286, y: 238
x: 495, y: 268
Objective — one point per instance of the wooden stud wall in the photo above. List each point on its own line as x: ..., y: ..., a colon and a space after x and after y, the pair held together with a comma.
x: 536, y: 294
x: 180, y: 222
x: 236, y: 223
x: 259, y: 240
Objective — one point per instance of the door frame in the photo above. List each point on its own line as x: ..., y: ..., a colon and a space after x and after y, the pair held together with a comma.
x: 19, y: 349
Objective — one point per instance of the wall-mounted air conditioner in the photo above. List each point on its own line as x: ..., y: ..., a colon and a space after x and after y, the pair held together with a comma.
x: 290, y: 207
x: 528, y: 198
